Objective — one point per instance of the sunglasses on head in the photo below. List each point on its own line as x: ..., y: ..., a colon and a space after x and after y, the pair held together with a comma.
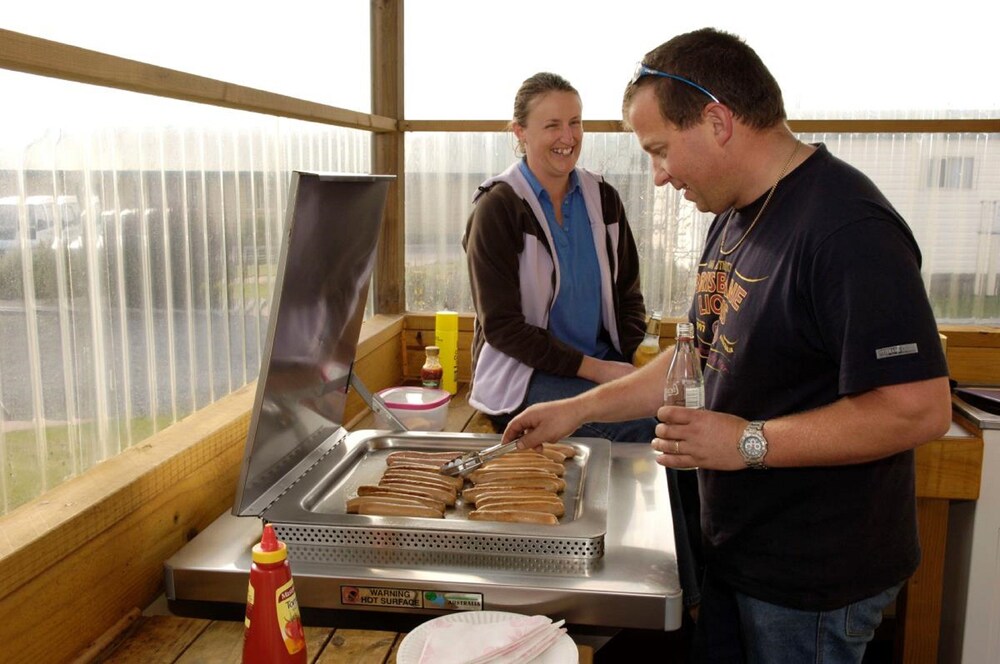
x: 642, y: 70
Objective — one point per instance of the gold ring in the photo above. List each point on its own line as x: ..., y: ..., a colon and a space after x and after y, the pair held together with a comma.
x: 677, y: 447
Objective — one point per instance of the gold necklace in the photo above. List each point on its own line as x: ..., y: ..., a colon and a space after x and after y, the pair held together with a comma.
x: 725, y: 229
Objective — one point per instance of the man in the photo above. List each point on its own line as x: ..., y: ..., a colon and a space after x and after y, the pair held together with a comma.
x: 823, y: 366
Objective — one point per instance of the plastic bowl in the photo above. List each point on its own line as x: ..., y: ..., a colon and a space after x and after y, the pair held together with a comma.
x: 418, y: 408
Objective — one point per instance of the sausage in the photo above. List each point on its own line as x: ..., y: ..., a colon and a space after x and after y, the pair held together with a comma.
x: 377, y: 508
x: 438, y: 479
x: 541, y: 451
x: 554, y: 455
x: 521, y: 479
x: 447, y: 497
x: 553, y: 483
x: 493, y: 474
x: 417, y: 465
x: 514, y: 516
x: 544, y: 465
x: 364, y: 505
x: 410, y: 456
x: 565, y: 448
x: 523, y: 505
x: 370, y: 490
x: 477, y: 493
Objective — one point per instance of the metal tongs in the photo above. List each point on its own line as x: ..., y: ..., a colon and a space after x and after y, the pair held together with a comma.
x: 469, y: 461
x: 376, y: 403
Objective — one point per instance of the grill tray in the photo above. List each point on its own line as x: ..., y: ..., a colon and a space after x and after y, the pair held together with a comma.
x: 312, y: 512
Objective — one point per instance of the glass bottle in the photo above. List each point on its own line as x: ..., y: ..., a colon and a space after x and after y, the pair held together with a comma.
x: 685, y: 385
x: 432, y: 371
x: 649, y: 348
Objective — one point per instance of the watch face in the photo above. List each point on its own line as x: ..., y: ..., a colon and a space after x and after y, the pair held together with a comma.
x: 753, y: 446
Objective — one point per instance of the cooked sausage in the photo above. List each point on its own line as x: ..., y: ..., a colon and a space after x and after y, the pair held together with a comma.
x: 477, y: 493
x: 523, y: 505
x: 514, y: 516
x: 493, y: 474
x: 544, y: 465
x: 382, y: 508
x: 360, y: 504
x: 370, y: 490
x: 410, y: 456
x: 553, y: 455
x: 434, y: 467
x: 551, y: 483
x: 447, y: 497
x: 443, y: 481
x: 540, y: 451
x: 565, y: 448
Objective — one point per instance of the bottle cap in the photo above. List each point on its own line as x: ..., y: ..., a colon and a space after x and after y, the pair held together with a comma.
x: 270, y: 549
x: 432, y: 350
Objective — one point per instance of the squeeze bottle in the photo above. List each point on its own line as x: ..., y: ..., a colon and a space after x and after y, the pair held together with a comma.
x: 446, y: 338
x: 273, y: 628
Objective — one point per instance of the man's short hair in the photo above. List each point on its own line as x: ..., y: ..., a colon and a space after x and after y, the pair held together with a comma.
x: 722, y: 64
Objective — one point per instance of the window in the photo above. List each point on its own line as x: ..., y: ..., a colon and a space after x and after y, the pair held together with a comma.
x: 950, y: 173
x: 136, y: 264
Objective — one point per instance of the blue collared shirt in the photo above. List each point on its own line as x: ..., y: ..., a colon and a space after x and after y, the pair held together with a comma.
x: 575, y: 317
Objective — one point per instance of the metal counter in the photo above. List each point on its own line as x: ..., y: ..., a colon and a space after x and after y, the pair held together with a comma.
x: 634, y: 584
x: 977, y: 416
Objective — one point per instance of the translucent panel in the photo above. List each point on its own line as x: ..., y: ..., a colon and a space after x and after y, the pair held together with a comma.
x: 318, y: 51
x: 444, y: 170
x: 136, y: 265
x: 947, y: 187
x: 856, y: 57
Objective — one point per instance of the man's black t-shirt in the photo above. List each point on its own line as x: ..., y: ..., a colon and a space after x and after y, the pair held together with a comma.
x: 822, y: 299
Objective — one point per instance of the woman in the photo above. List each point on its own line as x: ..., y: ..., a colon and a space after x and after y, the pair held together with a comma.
x: 554, y: 270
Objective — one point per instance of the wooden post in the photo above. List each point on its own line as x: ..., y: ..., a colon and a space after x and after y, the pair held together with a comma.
x: 388, y: 154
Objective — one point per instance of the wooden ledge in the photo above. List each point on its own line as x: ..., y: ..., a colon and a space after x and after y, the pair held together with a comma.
x: 80, y: 557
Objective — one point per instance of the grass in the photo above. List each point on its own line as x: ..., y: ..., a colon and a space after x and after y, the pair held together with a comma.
x: 22, y: 464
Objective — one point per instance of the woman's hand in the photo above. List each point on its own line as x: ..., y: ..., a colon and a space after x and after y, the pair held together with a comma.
x: 603, y: 371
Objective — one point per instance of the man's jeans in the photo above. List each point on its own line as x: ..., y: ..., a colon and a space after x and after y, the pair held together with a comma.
x: 733, y: 627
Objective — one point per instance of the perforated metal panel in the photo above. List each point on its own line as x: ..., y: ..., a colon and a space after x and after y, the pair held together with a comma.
x: 429, y: 540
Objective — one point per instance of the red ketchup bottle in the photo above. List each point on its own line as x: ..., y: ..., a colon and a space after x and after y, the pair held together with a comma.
x: 273, y: 633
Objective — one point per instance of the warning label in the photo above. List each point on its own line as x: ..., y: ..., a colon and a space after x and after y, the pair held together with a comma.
x: 404, y: 598
x: 381, y: 597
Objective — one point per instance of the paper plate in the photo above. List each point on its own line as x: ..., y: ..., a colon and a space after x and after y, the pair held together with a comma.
x: 563, y: 651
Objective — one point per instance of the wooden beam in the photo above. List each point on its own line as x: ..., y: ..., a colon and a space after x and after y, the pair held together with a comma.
x: 33, y: 55
x: 985, y: 126
x: 388, y: 152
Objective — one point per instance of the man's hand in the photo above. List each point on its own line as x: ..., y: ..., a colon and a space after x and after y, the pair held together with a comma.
x: 546, y: 422
x: 695, y: 438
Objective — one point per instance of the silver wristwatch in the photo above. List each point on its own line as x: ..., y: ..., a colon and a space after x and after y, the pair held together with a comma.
x: 753, y: 445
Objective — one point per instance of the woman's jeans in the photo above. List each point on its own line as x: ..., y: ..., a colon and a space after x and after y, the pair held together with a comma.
x: 734, y: 627
x: 683, y: 494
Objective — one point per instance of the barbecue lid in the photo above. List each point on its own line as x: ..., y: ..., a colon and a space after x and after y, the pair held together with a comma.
x: 321, y: 282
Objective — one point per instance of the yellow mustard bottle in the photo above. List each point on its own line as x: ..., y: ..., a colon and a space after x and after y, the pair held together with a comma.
x: 446, y: 338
